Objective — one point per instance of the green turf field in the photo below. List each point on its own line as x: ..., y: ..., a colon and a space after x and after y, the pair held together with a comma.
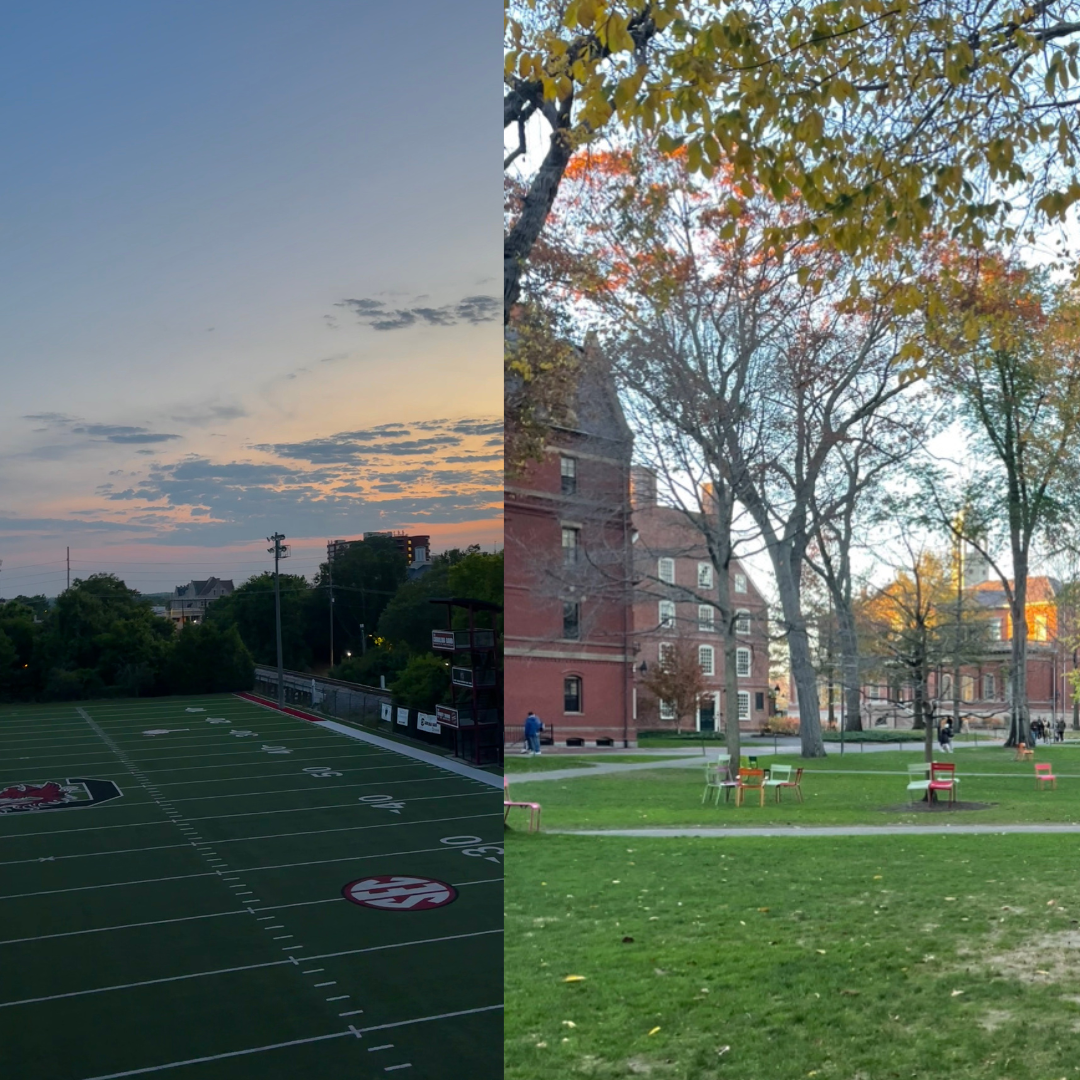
x: 196, y: 923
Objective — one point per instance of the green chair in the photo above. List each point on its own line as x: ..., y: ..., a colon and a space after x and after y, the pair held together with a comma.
x: 918, y: 780
x: 779, y: 775
x: 718, y: 778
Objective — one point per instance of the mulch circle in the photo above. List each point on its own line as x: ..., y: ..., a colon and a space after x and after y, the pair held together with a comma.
x: 942, y: 807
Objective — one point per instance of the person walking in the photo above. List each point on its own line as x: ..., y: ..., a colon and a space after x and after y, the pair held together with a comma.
x: 1061, y: 729
x: 533, y: 726
x: 945, y: 736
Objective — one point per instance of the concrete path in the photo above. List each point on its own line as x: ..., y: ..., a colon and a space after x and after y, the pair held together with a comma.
x: 826, y: 830
x: 693, y: 759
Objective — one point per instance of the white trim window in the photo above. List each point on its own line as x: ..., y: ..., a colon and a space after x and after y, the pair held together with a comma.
x: 665, y: 570
x: 568, y: 475
x: 989, y: 690
x: 742, y: 663
x: 663, y: 651
x: 740, y: 583
x: 706, y: 618
x: 706, y: 659
x: 744, y: 704
x: 667, y: 711
x: 704, y: 575
x: 571, y: 538
x: 742, y: 621
x: 667, y: 614
x: 996, y: 626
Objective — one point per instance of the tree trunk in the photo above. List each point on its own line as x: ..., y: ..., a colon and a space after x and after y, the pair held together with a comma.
x: 732, y: 738
x: 1076, y: 700
x: 518, y: 243
x: 849, y: 667
x: 1019, y: 712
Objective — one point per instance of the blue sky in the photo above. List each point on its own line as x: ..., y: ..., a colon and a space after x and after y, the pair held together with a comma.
x: 248, y: 258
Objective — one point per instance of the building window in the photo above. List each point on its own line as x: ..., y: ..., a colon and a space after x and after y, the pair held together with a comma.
x: 759, y: 701
x: 568, y: 468
x: 740, y: 583
x: 1041, y: 628
x: 704, y: 575
x: 946, y: 686
x: 667, y: 712
x: 571, y: 621
x: 572, y: 694
x: 988, y: 688
x: 742, y: 622
x: 705, y: 659
x: 967, y: 687
x: 996, y: 626
x: 874, y: 693
x: 744, y: 704
x: 667, y: 613
x: 665, y: 571
x: 570, y: 538
x: 663, y: 652
x: 705, y: 616
x: 742, y: 662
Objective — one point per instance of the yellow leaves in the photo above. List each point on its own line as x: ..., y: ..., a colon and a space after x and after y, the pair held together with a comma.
x: 574, y: 978
x: 654, y: 1031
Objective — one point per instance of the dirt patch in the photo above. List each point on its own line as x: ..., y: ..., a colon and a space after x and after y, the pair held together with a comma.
x: 935, y: 807
x: 994, y: 1018
x: 1051, y: 958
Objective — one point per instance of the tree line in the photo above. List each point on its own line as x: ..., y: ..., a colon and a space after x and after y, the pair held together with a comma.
x: 101, y: 638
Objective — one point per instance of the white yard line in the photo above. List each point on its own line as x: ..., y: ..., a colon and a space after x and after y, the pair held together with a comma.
x: 249, y: 967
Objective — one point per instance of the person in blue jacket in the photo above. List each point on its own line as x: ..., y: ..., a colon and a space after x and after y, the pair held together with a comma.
x: 533, y: 726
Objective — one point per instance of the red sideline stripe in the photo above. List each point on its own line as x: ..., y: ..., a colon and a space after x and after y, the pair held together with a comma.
x: 283, y: 708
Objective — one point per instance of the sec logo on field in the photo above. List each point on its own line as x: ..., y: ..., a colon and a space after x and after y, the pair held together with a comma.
x: 398, y: 893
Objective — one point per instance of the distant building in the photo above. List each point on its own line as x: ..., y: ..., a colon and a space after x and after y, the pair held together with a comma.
x: 677, y: 585
x: 416, y: 549
x: 189, y: 602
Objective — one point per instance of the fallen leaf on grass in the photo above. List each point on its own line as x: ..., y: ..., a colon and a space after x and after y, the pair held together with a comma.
x: 654, y: 1031
x: 541, y: 1046
x: 574, y: 978
x: 956, y: 993
x: 850, y: 993
x: 1039, y: 971
x: 822, y: 951
x: 763, y: 909
x: 950, y: 897
x: 1050, y: 903
x: 722, y: 1050
x: 569, y: 1023
x: 877, y: 877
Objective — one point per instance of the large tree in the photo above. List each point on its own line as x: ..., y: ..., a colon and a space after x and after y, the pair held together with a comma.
x: 887, y: 120
x: 1014, y: 370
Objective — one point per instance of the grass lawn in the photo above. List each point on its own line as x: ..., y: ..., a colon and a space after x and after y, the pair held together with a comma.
x: 854, y: 789
x: 547, y: 763
x: 194, y: 915
x: 854, y: 958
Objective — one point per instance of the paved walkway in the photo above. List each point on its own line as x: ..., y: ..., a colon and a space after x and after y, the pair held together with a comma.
x: 694, y: 759
x: 826, y: 830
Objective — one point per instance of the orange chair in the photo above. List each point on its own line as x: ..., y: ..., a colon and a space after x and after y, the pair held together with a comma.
x: 750, y: 780
x: 1022, y: 752
x: 943, y: 778
x: 1043, y: 775
x: 532, y: 807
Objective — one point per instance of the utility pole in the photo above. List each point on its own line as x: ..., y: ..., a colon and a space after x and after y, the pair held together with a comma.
x: 69, y: 567
x: 330, y: 572
x: 279, y: 551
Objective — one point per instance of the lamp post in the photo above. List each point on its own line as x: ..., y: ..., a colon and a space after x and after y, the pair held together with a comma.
x: 279, y: 551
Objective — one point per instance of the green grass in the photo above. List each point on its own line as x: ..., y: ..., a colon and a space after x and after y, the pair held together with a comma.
x: 772, y: 959
x: 200, y: 915
x: 853, y: 789
x: 548, y: 763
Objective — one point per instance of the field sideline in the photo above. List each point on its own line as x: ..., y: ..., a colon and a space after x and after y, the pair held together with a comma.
x: 193, y: 920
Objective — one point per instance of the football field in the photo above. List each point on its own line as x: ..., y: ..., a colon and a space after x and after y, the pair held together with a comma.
x: 210, y: 889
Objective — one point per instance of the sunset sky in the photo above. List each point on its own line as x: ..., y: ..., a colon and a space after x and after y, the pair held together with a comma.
x: 248, y: 258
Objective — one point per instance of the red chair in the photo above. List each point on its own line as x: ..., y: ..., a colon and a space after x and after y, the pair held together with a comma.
x: 943, y: 778
x: 532, y: 807
x: 1043, y: 775
x: 750, y: 780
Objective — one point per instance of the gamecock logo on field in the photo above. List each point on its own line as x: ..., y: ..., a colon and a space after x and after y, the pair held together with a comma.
x: 69, y: 794
x: 399, y: 893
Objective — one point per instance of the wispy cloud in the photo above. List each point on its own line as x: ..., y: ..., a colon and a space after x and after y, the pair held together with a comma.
x: 381, y: 316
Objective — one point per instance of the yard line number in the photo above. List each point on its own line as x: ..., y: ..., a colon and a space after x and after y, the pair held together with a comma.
x: 464, y: 844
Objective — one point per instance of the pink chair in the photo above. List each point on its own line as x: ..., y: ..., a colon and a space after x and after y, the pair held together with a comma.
x: 532, y: 807
x: 1043, y: 775
x: 943, y: 778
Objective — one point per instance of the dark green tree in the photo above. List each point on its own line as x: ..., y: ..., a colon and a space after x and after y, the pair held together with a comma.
x: 209, y: 658
x: 423, y: 683
x: 250, y: 608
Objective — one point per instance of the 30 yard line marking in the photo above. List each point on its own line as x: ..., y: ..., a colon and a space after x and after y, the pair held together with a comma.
x: 251, y: 967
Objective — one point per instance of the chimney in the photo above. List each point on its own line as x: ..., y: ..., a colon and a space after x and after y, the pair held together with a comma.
x: 642, y: 487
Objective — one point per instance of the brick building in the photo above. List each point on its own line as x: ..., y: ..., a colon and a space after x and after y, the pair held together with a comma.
x: 568, y: 617
x: 416, y: 549
x: 674, y: 598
